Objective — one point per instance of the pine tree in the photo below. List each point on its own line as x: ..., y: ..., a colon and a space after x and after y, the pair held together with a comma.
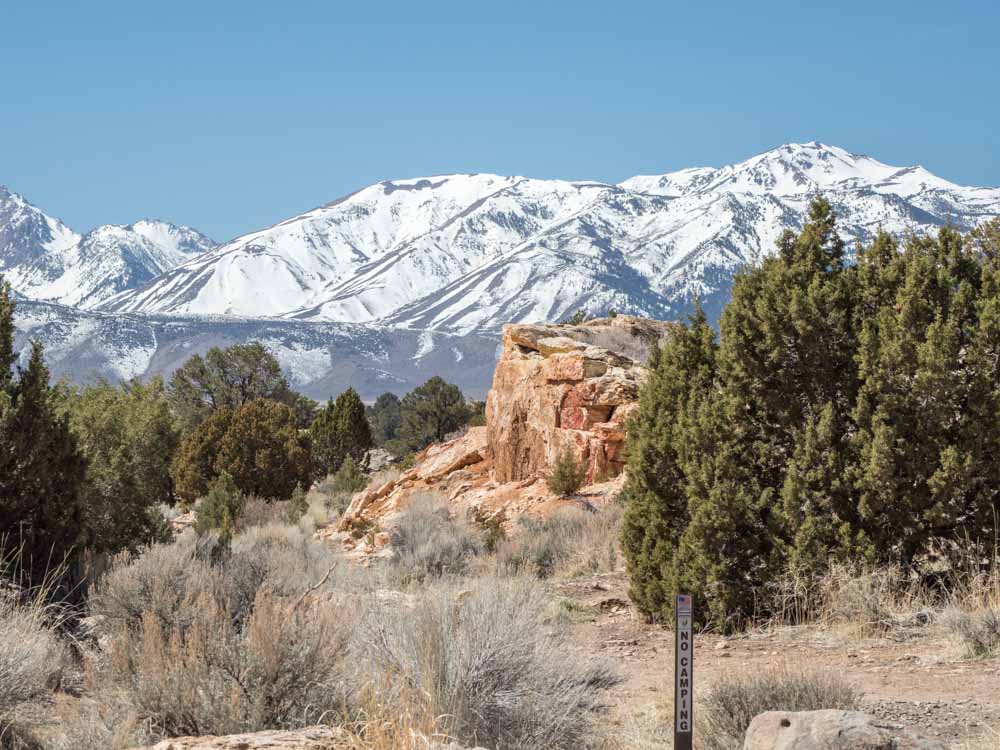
x: 681, y: 374
x: 221, y: 507
x: 429, y: 414
x: 264, y: 451
x: 41, y: 469
x: 340, y: 430
x: 384, y: 418
x: 567, y: 475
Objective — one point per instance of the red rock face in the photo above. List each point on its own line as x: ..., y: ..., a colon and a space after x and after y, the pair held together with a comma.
x: 555, y: 387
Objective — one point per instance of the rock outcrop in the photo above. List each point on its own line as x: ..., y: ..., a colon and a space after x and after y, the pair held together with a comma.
x: 310, y: 738
x: 555, y: 387
x: 830, y: 730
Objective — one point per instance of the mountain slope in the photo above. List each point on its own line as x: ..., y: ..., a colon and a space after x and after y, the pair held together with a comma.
x: 320, y: 359
x: 463, y: 253
x: 43, y: 259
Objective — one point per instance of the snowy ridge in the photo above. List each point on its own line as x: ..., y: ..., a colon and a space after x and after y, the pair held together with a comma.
x: 320, y: 359
x: 43, y: 259
x: 406, y: 278
x: 464, y: 253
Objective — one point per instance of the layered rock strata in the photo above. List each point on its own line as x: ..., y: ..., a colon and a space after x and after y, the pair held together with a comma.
x: 556, y: 387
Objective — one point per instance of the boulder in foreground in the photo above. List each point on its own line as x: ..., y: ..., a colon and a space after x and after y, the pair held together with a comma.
x: 830, y: 730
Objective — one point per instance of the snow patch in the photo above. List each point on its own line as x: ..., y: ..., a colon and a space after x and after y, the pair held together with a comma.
x: 425, y: 345
x: 303, y: 363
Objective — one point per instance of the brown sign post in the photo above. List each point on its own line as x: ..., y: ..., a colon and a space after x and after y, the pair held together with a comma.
x: 683, y: 675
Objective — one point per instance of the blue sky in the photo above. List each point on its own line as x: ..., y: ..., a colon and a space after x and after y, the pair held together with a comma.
x: 229, y: 116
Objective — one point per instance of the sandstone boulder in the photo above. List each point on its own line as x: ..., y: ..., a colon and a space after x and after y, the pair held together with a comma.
x: 183, y: 522
x: 310, y: 738
x: 554, y: 385
x: 555, y: 388
x: 830, y: 730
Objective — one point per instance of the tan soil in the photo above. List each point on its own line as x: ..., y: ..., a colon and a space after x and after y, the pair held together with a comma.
x: 916, y: 676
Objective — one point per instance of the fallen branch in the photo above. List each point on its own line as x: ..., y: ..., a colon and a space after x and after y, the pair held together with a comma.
x: 312, y: 588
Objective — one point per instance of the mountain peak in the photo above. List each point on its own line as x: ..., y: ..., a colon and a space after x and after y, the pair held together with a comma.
x: 46, y: 260
x: 795, y: 169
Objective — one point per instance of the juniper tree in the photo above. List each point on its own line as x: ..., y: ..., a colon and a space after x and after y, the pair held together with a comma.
x: 227, y: 379
x: 221, y: 507
x: 428, y: 414
x: 264, y: 451
x: 851, y: 414
x: 340, y: 430
x: 681, y: 375
x: 918, y: 438
x: 384, y: 418
x: 41, y: 468
x: 127, y: 435
x: 567, y: 475
x: 193, y: 467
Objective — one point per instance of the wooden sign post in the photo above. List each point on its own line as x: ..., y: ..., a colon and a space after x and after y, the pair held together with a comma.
x: 683, y: 675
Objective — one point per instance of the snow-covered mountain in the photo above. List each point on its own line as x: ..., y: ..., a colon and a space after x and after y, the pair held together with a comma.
x: 319, y: 359
x: 407, y: 278
x: 463, y: 253
x: 44, y: 259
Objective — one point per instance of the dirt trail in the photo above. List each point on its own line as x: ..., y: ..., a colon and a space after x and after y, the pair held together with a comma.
x: 915, y: 676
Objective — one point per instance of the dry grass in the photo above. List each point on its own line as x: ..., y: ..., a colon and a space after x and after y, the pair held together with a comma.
x: 726, y: 709
x: 427, y: 542
x: 283, y: 668
x: 570, y: 543
x: 978, y: 631
x: 14, y: 736
x: 649, y: 727
x: 204, y: 644
x: 858, y: 600
x: 957, y: 589
x: 483, y: 667
x: 31, y: 654
x: 988, y: 739
x: 260, y: 512
x: 110, y: 723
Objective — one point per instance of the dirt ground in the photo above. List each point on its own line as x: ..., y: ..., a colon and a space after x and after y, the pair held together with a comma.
x: 915, y: 676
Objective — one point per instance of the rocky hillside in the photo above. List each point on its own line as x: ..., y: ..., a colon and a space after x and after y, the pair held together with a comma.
x: 555, y: 388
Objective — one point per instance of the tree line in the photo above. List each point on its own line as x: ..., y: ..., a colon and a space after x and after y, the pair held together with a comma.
x: 842, y: 413
x: 89, y: 467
